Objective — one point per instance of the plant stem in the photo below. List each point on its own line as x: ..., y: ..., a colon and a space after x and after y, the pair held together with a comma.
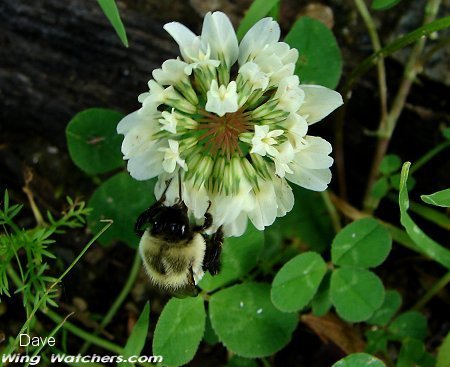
x: 412, y: 68
x: 119, y: 300
x: 392, y: 47
x: 339, y: 138
x: 339, y: 154
x: 52, y: 333
x: 26, y: 189
x: 84, y: 334
x: 18, y: 283
x: 432, y: 215
x: 334, y: 215
x: 38, y: 304
x: 441, y: 283
x: 371, y: 28
x: 80, y: 255
x: 427, y: 156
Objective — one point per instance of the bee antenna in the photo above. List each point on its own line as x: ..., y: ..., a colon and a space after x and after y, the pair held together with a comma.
x: 163, y: 196
x: 179, y: 185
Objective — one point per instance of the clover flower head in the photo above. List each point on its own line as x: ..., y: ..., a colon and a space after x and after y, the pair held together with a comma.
x: 230, y: 120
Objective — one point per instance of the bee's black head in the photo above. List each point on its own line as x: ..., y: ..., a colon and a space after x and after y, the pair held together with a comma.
x: 171, y: 223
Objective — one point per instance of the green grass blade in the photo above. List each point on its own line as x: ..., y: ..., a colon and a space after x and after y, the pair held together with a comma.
x: 440, y: 198
x: 52, y: 334
x: 411, y: 37
x: 138, y: 337
x: 258, y: 10
x: 424, y: 244
x: 109, y: 8
x: 439, y: 218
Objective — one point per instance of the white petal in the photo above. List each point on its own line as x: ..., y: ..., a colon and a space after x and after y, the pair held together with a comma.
x: 290, y: 95
x: 219, y: 33
x: 169, y: 165
x: 271, y: 150
x: 281, y: 73
x: 277, y: 60
x: 314, y: 155
x: 297, y: 128
x: 182, y: 35
x: 221, y: 100
x: 137, y: 140
x: 173, y: 144
x: 312, y: 179
x: 171, y: 72
x: 264, y: 32
x: 259, y: 149
x: 130, y: 121
x: 252, y: 73
x: 225, y: 209
x: 318, y: 145
x: 284, y: 195
x: 172, y: 193
x: 146, y: 166
x: 196, y: 199
x: 261, y: 130
x: 237, y: 227
x: 275, y: 133
x: 319, y: 102
x: 265, y: 209
x: 313, y: 160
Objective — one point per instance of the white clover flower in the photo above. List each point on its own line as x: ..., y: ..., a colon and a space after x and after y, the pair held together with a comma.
x: 283, y: 156
x: 169, y: 122
x: 263, y: 140
x: 234, y: 135
x: 172, y: 157
x: 221, y: 100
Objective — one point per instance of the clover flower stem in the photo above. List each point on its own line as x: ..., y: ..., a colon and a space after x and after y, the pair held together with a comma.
x: 334, y: 215
x: 412, y: 69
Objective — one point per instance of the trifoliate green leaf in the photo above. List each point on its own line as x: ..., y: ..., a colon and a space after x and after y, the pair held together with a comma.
x: 247, y: 323
x: 356, y: 293
x: 297, y: 282
x: 179, y: 330
x: 364, y: 243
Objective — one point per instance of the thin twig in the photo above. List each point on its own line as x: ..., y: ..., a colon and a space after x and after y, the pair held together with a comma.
x: 339, y: 137
x: 28, y: 177
x: 371, y: 28
x: 412, y: 69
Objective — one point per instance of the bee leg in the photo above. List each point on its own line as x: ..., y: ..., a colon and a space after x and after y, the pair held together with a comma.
x: 190, y: 289
x: 213, y: 251
x: 147, y: 215
x: 191, y: 279
x: 207, y: 223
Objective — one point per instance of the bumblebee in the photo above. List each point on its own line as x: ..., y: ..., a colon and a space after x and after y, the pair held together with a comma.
x: 176, y: 253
